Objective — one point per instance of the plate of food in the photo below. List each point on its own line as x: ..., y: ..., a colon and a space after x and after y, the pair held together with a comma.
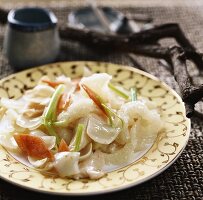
x: 82, y: 128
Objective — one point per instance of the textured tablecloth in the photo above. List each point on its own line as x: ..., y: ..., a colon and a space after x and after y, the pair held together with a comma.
x: 182, y: 180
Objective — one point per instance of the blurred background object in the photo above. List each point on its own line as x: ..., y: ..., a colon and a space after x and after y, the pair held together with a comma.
x: 31, y: 38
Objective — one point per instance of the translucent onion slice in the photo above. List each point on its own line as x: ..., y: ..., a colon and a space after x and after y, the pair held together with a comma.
x: 29, y: 123
x: 37, y: 163
x: 50, y: 141
x: 13, y: 104
x: 66, y: 163
x: 86, y: 152
x: 9, y: 143
x: 45, y: 169
x: 19, y: 129
x: 101, y: 132
x: 7, y: 123
x: 37, y: 133
x: 6, y: 126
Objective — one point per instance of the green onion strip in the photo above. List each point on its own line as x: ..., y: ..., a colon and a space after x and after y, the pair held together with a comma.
x: 133, y: 94
x: 98, y: 100
x: 79, y: 132
x: 118, y: 91
x: 50, y: 114
x: 112, y: 115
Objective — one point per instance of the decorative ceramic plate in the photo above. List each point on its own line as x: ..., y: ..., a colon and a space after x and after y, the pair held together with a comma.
x: 165, y: 150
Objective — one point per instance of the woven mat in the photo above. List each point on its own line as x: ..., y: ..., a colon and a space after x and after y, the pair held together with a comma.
x: 184, y: 179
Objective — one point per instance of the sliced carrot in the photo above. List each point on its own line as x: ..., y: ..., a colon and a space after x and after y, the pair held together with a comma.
x: 97, y: 100
x: 33, y: 146
x: 63, y: 146
x: 52, y: 83
x: 76, y: 81
x: 77, y: 87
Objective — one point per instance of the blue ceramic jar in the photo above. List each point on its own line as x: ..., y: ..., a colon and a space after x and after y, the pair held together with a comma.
x: 31, y: 38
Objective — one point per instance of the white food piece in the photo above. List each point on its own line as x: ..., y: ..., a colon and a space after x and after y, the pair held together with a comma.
x: 66, y: 163
x: 49, y: 141
x: 40, y: 91
x: 98, y: 83
x: 144, y: 122
x: 132, y: 111
x: 134, y: 126
x: 9, y: 143
x: 78, y: 109
x: 69, y: 86
x: 7, y: 123
x: 101, y: 132
x: 86, y: 152
x: 29, y: 123
x: 124, y: 135
x: 37, y: 163
x: 120, y: 156
x: 65, y: 133
x: 92, y: 167
x: 114, y: 101
x: 12, y: 104
x: 40, y: 94
x: 38, y: 133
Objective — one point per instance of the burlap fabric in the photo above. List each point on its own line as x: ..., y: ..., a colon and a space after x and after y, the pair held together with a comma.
x: 184, y: 179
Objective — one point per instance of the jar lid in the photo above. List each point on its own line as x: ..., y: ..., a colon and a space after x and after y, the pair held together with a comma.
x: 32, y: 19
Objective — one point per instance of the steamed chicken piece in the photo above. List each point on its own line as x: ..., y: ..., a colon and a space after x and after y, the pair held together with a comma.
x: 113, y: 126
